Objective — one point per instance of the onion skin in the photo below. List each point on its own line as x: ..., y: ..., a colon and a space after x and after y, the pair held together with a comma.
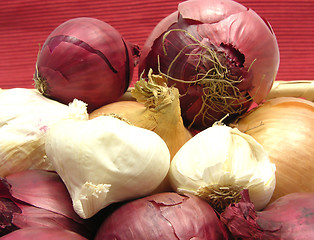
x: 39, y: 198
x: 291, y: 217
x: 243, y: 41
x: 87, y: 59
x: 163, y: 216
x: 293, y: 214
x: 284, y: 127
x: 42, y: 233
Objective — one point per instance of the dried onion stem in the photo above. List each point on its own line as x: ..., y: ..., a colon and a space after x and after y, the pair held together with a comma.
x: 152, y: 105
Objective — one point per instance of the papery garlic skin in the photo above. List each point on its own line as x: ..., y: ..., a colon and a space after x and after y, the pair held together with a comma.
x: 25, y: 116
x: 223, y: 156
x: 106, y: 160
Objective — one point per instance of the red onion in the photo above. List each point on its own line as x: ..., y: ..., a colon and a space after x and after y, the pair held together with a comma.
x: 42, y: 233
x: 290, y: 217
x: 163, y: 216
x: 221, y: 56
x: 38, y: 198
x: 87, y: 59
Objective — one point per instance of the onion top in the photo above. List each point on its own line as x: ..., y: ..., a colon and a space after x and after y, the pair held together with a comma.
x: 221, y: 56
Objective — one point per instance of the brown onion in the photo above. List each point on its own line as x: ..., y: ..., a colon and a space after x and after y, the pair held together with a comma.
x: 284, y: 127
x: 163, y: 216
x: 221, y: 56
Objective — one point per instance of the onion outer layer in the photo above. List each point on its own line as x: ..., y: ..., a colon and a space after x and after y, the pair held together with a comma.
x: 289, y: 217
x: 243, y: 53
x: 284, y: 127
x: 39, y: 233
x: 163, y: 216
x: 38, y: 198
x: 87, y: 59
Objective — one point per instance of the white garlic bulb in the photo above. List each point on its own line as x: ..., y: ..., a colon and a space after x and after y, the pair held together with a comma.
x: 218, y: 163
x: 106, y: 160
x: 25, y: 116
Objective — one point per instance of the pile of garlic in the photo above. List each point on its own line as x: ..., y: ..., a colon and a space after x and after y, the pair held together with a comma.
x: 218, y: 163
x: 106, y: 159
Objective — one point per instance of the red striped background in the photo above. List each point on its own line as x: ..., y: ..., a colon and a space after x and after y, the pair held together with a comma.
x: 24, y: 24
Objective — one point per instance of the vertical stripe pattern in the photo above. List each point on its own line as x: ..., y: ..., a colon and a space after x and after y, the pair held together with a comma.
x: 25, y: 24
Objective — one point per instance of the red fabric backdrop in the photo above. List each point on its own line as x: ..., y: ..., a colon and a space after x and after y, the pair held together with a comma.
x: 24, y: 24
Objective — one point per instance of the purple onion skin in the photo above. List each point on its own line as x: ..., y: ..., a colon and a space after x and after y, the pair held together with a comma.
x: 87, y: 59
x: 39, y: 199
x: 290, y: 217
x: 7, y: 209
x: 244, y: 43
x: 42, y: 233
x: 163, y: 216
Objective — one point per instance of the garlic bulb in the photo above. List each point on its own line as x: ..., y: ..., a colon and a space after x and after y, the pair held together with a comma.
x: 106, y: 160
x: 25, y: 116
x: 218, y: 163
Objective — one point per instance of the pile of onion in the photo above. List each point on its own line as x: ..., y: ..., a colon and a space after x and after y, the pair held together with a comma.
x: 87, y: 59
x: 284, y: 126
x: 221, y: 56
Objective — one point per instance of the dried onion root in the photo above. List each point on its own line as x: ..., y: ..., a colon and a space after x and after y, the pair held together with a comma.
x: 299, y: 88
x: 218, y: 83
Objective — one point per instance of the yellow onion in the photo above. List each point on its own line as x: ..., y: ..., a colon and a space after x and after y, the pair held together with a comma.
x: 152, y: 105
x: 284, y: 126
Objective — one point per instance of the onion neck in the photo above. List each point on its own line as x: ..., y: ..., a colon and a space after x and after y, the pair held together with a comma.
x: 162, y: 106
x: 40, y: 82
